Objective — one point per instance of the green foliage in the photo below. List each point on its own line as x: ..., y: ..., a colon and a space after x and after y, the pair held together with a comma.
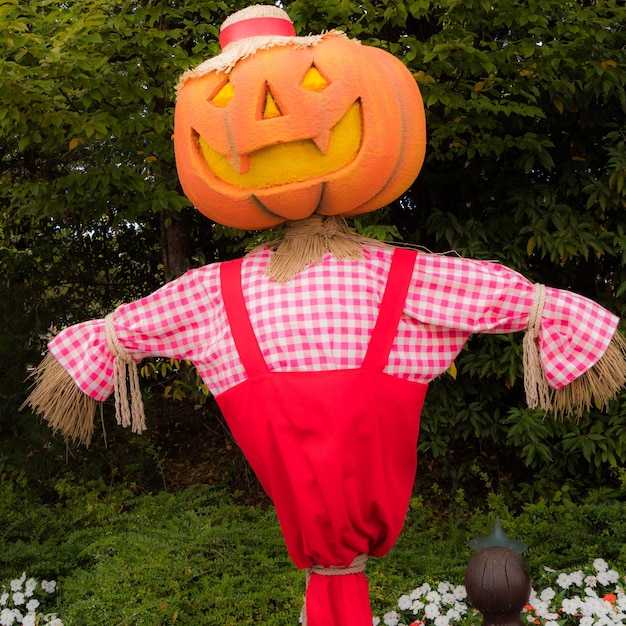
x: 177, y: 380
x: 526, y: 165
x: 198, y: 556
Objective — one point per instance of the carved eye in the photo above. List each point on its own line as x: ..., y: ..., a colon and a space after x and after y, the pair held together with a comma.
x: 313, y: 80
x: 270, y: 108
x: 223, y: 96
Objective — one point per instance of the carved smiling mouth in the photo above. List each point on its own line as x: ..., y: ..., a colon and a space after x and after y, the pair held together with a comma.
x: 290, y: 162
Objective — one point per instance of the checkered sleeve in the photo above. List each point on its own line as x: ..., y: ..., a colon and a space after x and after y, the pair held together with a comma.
x: 174, y: 321
x: 483, y: 297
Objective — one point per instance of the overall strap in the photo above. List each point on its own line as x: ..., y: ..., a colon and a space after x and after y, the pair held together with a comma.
x: 239, y: 320
x: 391, y: 307
x: 383, y: 334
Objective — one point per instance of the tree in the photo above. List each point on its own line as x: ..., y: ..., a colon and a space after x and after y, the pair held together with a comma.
x: 526, y: 111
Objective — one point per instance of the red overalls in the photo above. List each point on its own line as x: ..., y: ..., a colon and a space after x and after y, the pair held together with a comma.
x: 336, y: 450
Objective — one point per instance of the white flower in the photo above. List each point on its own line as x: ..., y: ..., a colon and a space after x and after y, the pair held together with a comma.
x: 608, y: 577
x: 595, y: 606
x: 29, y: 620
x: 391, y: 618
x: 571, y: 605
x: 32, y: 605
x: 48, y: 585
x: 16, y: 585
x: 577, y: 577
x: 375, y: 621
x: 551, y: 624
x: 542, y: 609
x: 417, y: 606
x: 460, y: 607
x: 57, y: 622
x: 564, y: 581
x: 432, y: 610
x: 591, y: 581
x: 547, y: 594
x: 433, y: 596
x: 600, y: 565
x: 453, y: 615
x: 31, y: 585
x: 6, y: 617
x: 460, y: 593
x: 447, y: 598
x: 405, y: 603
x: 420, y: 591
x: 442, y: 620
x: 443, y: 587
x: 3, y: 599
x: 586, y: 620
x: 18, y: 598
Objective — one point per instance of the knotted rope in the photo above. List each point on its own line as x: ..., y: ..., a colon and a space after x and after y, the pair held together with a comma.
x: 535, y: 384
x: 356, y: 567
x: 127, y: 413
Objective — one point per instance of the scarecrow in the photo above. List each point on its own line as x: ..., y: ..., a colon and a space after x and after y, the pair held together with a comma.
x: 319, y: 346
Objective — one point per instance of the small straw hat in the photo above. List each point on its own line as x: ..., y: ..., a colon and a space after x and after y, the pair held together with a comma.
x: 254, y: 28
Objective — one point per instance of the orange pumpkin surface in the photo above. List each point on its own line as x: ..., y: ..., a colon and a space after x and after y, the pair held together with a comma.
x: 335, y: 129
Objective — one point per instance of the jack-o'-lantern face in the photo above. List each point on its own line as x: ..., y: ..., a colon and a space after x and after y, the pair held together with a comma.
x: 336, y: 128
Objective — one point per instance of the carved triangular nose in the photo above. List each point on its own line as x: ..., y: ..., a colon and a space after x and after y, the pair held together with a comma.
x: 271, y: 108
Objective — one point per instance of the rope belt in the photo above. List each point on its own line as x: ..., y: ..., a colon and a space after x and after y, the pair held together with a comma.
x: 356, y: 567
x: 125, y: 375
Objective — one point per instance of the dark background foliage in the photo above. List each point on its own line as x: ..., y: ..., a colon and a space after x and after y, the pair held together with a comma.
x: 526, y: 165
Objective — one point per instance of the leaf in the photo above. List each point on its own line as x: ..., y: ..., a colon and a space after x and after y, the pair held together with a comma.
x: 558, y: 104
x: 74, y: 143
x: 452, y: 370
x: 531, y: 245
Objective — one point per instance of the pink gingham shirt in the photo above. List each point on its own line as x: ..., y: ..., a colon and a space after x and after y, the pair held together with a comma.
x: 322, y: 320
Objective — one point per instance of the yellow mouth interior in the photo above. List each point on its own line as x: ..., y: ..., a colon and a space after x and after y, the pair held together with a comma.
x: 290, y: 162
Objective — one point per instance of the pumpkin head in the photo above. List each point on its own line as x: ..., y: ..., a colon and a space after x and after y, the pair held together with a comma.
x: 319, y: 124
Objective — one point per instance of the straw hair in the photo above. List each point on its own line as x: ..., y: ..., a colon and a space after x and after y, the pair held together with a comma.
x: 596, y: 387
x: 70, y: 411
x: 57, y: 398
x: 305, y: 242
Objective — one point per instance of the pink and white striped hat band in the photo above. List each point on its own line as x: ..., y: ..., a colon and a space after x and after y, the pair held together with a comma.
x: 256, y: 21
x: 254, y: 28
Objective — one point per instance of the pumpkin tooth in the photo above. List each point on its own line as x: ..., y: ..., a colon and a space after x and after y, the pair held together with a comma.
x: 239, y: 162
x: 322, y: 141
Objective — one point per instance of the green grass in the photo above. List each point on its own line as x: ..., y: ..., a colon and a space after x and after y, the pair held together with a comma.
x: 199, y: 556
